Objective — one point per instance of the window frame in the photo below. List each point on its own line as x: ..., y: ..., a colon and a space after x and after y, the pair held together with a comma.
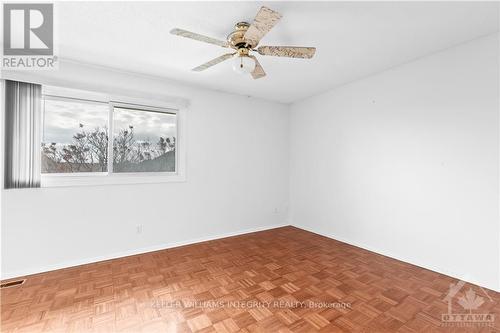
x: 109, y: 177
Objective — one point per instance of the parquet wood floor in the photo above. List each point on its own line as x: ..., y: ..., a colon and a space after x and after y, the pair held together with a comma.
x: 280, y: 280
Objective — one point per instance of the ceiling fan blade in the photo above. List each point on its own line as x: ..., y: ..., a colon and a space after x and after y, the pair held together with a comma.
x: 287, y: 51
x: 213, y: 62
x: 265, y: 20
x: 258, y: 72
x: 198, y: 37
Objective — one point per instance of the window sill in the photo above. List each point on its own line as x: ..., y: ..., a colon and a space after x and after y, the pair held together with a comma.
x: 105, y: 179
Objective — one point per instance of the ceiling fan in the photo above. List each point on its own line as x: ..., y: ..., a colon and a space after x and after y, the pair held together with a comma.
x: 244, y: 39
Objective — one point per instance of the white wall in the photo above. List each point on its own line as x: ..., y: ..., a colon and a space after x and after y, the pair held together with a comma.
x: 406, y: 162
x: 237, y: 174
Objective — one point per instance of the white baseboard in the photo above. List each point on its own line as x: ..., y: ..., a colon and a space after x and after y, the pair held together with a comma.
x: 72, y: 263
x: 406, y: 260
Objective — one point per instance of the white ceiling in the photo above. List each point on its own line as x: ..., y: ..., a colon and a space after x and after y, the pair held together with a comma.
x: 353, y: 39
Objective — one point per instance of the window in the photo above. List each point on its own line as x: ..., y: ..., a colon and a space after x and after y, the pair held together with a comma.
x: 75, y: 136
x: 77, y: 147
x: 143, y: 141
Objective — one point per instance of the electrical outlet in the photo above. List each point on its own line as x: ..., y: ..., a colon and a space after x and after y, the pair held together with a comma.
x: 138, y: 228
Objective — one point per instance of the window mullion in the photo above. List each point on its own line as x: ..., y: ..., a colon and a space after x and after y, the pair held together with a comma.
x: 110, y: 140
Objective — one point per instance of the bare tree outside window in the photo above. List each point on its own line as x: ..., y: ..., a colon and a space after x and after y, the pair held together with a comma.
x: 76, y: 138
x: 144, y: 141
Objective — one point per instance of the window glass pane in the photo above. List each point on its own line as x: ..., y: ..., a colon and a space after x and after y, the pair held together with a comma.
x: 75, y: 136
x: 143, y: 141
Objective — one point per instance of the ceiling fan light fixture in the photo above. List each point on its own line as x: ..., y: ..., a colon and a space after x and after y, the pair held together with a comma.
x: 243, y: 64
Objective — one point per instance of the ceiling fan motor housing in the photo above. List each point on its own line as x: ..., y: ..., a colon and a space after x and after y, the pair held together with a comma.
x: 236, y: 38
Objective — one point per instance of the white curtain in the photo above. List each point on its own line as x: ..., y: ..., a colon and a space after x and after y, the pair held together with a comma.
x: 23, y: 107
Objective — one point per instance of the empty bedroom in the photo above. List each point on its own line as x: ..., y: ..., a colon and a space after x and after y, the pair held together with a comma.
x: 240, y: 166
